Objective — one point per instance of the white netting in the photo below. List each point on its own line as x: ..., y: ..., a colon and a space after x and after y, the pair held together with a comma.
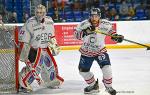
x: 7, y: 61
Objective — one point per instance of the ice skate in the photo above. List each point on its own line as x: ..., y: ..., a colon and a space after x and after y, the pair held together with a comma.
x: 92, y: 89
x: 111, y: 91
x: 55, y: 84
x: 25, y: 90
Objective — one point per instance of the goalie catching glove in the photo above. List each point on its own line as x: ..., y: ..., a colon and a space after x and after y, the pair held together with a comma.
x: 118, y: 38
x: 54, y: 48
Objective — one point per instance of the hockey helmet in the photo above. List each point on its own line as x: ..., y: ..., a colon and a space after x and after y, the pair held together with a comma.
x: 95, y: 11
x: 40, y: 11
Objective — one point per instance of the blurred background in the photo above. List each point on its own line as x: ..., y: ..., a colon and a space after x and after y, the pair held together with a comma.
x: 18, y: 11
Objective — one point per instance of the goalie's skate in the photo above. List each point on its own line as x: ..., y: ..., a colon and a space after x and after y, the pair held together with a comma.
x: 25, y: 90
x: 54, y: 84
x: 92, y: 89
x: 111, y: 91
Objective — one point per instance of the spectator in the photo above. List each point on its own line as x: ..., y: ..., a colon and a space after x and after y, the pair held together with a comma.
x: 25, y: 17
x: 36, y: 2
x: 13, y: 18
x: 5, y: 15
x: 141, y: 6
x: 118, y: 1
x: 88, y: 4
x: 113, y: 13
x: 140, y: 11
x: 2, y: 23
x: 1, y: 19
x: 148, y: 9
x: 106, y: 1
x: 77, y: 6
x: 96, y: 3
x: 113, y: 1
x: 131, y: 11
x: 106, y: 11
x: 123, y: 9
x: 56, y: 16
x: 54, y: 4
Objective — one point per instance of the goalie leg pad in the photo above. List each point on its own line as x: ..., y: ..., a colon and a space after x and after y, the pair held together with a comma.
x: 49, y: 72
x: 25, y: 78
x: 26, y: 74
x: 55, y: 83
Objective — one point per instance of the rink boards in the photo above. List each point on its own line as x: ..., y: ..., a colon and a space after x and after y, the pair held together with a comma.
x: 137, y: 31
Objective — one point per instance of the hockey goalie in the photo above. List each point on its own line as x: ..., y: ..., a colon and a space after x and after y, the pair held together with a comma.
x: 38, y: 46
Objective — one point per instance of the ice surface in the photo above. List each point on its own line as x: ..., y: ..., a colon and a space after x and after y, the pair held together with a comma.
x: 131, y: 73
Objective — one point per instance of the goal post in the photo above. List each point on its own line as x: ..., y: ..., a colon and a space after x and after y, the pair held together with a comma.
x: 9, y: 63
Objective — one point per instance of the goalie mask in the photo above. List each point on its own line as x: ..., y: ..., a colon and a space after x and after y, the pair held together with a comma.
x: 40, y: 12
x: 95, y: 15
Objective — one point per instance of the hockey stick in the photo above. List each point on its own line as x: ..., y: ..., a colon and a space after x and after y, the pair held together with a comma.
x: 148, y: 47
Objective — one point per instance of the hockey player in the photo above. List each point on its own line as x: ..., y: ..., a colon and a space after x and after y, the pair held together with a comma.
x: 93, y: 48
x: 38, y: 46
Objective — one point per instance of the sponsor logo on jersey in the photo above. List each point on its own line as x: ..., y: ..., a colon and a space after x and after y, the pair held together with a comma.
x: 39, y: 28
x: 44, y: 37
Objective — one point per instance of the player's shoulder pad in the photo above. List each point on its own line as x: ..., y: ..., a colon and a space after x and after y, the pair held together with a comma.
x: 29, y: 23
x: 84, y: 22
x: 105, y: 22
x: 31, y: 19
x: 48, y: 20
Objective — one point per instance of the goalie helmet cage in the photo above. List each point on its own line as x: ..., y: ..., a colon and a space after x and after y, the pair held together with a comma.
x: 9, y: 63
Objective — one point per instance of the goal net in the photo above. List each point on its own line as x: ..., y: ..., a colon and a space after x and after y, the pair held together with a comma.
x: 8, y: 60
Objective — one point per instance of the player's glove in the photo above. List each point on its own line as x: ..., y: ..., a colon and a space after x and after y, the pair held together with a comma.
x: 118, y: 38
x: 89, y: 30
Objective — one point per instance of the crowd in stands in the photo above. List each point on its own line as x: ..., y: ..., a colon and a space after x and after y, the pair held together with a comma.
x: 18, y: 11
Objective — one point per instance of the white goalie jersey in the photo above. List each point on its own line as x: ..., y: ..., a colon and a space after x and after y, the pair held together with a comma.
x: 93, y: 44
x: 37, y: 34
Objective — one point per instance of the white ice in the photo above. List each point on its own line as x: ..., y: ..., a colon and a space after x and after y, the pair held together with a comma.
x: 131, y: 73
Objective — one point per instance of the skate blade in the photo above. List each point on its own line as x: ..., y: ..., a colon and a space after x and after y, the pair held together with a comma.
x: 25, y: 91
x: 92, y: 92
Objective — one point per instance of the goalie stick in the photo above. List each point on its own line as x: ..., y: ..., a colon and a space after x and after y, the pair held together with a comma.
x: 148, y: 47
